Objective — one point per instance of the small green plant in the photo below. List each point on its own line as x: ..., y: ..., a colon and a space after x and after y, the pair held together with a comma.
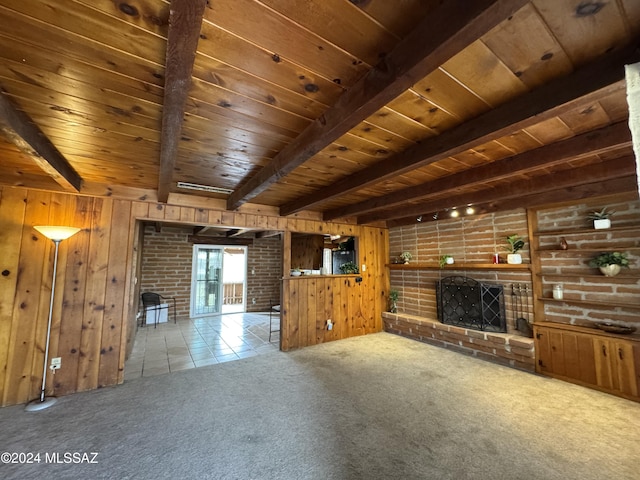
x: 393, y: 301
x: 610, y: 258
x: 349, y: 267
x: 515, y: 243
x: 406, y: 256
x: 443, y: 260
x: 601, y: 215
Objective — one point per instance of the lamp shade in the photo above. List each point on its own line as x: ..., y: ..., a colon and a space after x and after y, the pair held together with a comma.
x: 57, y: 232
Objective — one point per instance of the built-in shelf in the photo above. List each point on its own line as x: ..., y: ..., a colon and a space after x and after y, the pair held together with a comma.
x: 596, y: 303
x: 582, y: 231
x: 602, y: 248
x: 459, y: 266
x: 596, y: 276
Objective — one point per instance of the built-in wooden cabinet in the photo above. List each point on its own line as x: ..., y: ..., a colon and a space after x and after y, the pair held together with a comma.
x: 589, y: 357
x: 616, y: 367
x: 567, y: 343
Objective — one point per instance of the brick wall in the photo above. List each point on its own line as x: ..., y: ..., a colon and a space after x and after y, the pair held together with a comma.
x: 265, y: 273
x: 511, y: 350
x: 476, y: 239
x: 166, y: 268
x: 570, y: 265
x: 166, y: 265
x: 468, y: 239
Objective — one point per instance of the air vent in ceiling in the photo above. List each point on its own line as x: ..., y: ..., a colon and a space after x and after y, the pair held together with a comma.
x: 204, y: 188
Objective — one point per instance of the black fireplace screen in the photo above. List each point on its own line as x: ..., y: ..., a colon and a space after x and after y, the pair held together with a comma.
x: 464, y: 302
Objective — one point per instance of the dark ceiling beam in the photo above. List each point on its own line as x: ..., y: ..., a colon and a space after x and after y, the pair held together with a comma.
x: 20, y: 130
x: 579, y: 90
x: 236, y: 232
x: 185, y: 20
x: 205, y: 240
x: 268, y: 233
x: 587, y: 144
x: 558, y: 179
x: 625, y: 186
x: 440, y: 36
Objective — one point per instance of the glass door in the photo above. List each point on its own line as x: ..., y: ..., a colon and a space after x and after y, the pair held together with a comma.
x: 206, y: 283
x: 234, y: 279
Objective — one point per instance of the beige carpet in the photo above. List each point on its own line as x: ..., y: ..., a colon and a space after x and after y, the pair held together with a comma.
x: 374, y: 407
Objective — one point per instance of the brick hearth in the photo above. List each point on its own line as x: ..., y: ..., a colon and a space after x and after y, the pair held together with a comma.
x: 504, y: 348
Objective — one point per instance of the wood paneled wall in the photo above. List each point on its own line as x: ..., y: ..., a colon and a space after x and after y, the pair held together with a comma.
x: 91, y: 290
x: 96, y: 300
x: 354, y: 307
x: 306, y: 251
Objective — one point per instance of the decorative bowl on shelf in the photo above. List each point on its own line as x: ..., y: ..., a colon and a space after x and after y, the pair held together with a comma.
x: 613, y: 328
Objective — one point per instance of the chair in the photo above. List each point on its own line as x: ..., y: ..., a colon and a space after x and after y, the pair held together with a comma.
x: 152, y: 302
x: 274, y: 309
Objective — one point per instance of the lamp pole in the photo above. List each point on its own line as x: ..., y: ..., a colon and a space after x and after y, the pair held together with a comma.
x: 57, y: 234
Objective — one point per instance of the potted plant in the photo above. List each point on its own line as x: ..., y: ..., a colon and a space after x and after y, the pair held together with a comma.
x: 446, y: 260
x: 349, y: 267
x: 515, y: 243
x: 406, y: 256
x: 601, y: 219
x: 610, y: 263
x: 393, y: 301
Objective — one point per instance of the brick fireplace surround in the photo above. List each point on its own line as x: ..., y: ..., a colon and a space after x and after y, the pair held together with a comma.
x: 507, y: 349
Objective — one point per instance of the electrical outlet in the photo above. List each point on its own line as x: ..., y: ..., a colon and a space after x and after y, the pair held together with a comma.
x: 56, y: 363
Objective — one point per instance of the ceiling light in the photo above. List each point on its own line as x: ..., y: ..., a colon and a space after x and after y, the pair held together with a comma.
x: 470, y: 211
x: 204, y: 188
x: 455, y: 213
x: 419, y: 219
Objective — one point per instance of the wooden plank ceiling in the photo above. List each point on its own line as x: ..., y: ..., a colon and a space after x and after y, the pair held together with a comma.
x: 381, y: 111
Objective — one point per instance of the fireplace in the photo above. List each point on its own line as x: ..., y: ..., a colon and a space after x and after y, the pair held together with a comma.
x: 464, y: 302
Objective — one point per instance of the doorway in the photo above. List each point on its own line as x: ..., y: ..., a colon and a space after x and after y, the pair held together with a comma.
x: 234, y: 280
x: 218, y: 282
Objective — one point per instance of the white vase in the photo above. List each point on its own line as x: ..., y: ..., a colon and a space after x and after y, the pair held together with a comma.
x: 602, y: 223
x: 514, y: 258
x: 610, y: 270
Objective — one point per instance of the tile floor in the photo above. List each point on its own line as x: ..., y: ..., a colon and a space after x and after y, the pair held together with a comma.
x: 198, y: 342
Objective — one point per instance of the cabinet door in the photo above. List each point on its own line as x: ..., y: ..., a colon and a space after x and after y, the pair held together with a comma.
x: 579, y: 357
x: 544, y: 363
x: 557, y: 352
x: 624, y: 358
x: 568, y: 354
x: 604, y: 352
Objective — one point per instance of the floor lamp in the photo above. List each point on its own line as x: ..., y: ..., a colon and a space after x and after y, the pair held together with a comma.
x: 57, y: 234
